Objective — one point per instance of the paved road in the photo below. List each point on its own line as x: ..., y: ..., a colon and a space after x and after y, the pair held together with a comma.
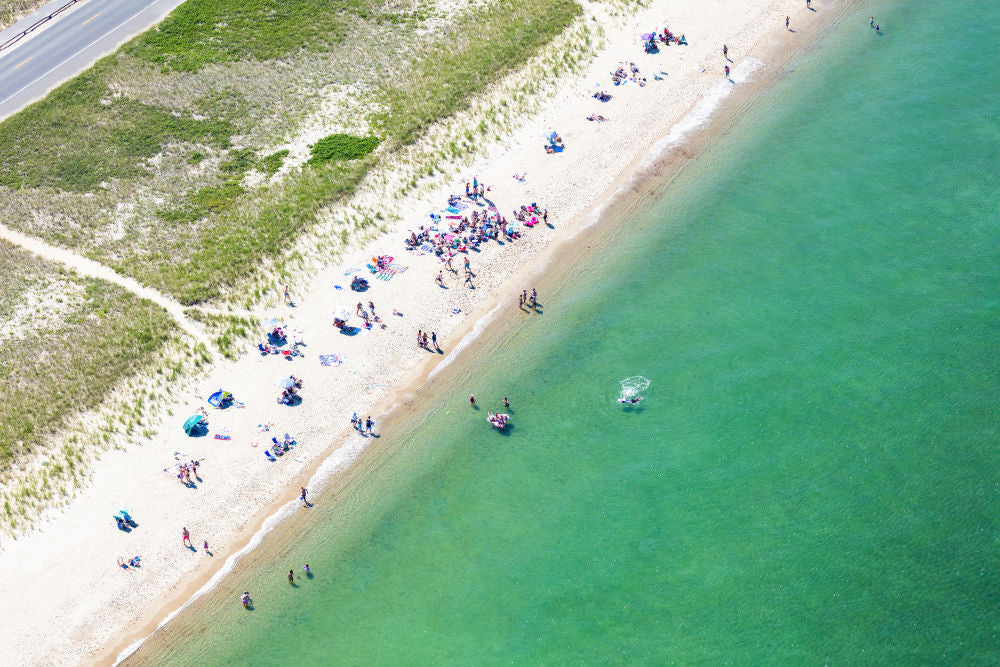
x: 70, y: 44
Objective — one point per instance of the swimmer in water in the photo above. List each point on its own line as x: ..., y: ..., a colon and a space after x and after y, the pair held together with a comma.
x: 630, y: 401
x: 245, y: 599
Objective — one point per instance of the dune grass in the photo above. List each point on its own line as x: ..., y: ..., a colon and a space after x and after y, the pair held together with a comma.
x: 52, y: 368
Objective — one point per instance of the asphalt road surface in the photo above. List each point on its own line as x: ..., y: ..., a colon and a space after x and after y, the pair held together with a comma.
x: 70, y: 44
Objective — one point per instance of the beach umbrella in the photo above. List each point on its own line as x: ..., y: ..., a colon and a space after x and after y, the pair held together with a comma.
x: 342, y: 313
x: 552, y: 135
x: 646, y: 36
x: 192, y: 423
x: 284, y: 383
x: 215, y: 399
x: 271, y: 323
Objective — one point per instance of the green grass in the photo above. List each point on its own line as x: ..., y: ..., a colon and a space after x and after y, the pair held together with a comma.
x: 51, y: 143
x: 69, y: 365
x: 441, y: 82
x: 228, y: 331
x: 12, y: 11
x: 342, y: 148
x: 200, y: 32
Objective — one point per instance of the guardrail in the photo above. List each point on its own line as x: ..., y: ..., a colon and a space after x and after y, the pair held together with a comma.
x: 24, y: 33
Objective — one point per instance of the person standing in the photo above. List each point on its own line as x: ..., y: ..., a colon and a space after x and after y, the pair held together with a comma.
x: 787, y: 20
x: 506, y: 403
x: 871, y: 21
x: 472, y: 400
x: 288, y: 296
x: 186, y: 538
x: 725, y: 52
x: 368, y: 424
x: 302, y: 496
x: 420, y: 338
x: 440, y: 279
x: 808, y: 4
x: 434, y: 340
x: 291, y: 577
x: 726, y: 68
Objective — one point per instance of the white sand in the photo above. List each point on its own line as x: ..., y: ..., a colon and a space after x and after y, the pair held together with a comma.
x: 65, y: 599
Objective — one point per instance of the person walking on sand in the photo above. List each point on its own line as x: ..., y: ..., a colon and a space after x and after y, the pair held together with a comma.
x: 725, y: 52
x: 726, y: 68
x: 186, y: 538
x: 288, y: 296
x: 434, y: 340
x: 302, y: 496
x: 808, y: 4
x: 468, y: 280
x: 420, y: 338
x: 472, y: 400
x: 440, y: 279
x: 787, y: 20
x: 204, y: 545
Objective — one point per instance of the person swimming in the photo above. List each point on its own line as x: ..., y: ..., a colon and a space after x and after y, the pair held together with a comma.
x: 630, y: 401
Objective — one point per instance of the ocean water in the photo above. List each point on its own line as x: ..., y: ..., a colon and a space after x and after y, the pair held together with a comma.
x: 813, y: 475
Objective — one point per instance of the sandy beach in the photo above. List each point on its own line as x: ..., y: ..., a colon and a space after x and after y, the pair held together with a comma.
x: 74, y: 605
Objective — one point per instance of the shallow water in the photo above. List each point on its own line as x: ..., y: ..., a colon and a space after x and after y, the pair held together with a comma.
x: 812, y: 476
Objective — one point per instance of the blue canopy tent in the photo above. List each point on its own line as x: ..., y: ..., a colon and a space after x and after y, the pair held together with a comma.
x: 218, y: 398
x: 193, y: 423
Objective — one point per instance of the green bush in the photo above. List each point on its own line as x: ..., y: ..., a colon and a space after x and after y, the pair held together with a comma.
x: 342, y: 148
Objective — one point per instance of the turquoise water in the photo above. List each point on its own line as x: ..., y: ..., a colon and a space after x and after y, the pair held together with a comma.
x: 813, y: 475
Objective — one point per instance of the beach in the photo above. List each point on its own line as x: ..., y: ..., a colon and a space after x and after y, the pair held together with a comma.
x: 67, y: 571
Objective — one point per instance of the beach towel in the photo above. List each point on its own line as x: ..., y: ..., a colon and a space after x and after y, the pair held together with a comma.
x: 331, y: 359
x: 453, y: 209
x: 453, y: 217
x: 398, y: 268
x: 384, y: 276
x: 350, y: 271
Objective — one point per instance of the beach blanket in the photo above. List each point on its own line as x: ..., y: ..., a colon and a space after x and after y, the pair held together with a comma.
x: 453, y: 217
x: 350, y: 271
x: 331, y: 359
x: 397, y: 268
x: 384, y: 276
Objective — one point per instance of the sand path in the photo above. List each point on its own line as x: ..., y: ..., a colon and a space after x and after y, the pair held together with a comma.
x: 90, y: 268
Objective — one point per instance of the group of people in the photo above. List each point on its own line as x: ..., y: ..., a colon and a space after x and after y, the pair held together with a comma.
x: 424, y: 342
x: 362, y: 426
x: 132, y: 562
x: 364, y: 315
x: 289, y: 393
x: 186, y: 469
x: 528, y: 300
x: 555, y: 144
x: 499, y: 421
x: 665, y: 38
x: 627, y: 72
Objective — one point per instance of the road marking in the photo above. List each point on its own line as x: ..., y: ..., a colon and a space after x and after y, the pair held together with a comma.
x: 23, y: 61
x: 90, y: 19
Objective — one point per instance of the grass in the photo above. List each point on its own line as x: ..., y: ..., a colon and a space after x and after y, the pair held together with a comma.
x: 342, y: 148
x: 12, y: 11
x: 70, y: 364
x: 229, y: 332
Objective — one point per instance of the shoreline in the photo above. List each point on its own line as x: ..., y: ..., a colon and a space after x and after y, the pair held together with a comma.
x: 645, y: 178
x: 628, y: 189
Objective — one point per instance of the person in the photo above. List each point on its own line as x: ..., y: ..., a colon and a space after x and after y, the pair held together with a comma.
x: 434, y: 339
x: 633, y: 400
x: 122, y: 564
x: 725, y: 52
x: 291, y: 577
x: 472, y: 400
x: 440, y: 279
x: 186, y: 537
x: 305, y: 568
x: 506, y: 403
x: 787, y: 19
x: 245, y: 599
x: 468, y: 268
x: 204, y: 545
x: 808, y: 4
x: 302, y: 496
x: 288, y: 296
x: 420, y: 338
x: 871, y: 21
x: 876, y: 28
x: 468, y: 280
x: 726, y: 68
x: 368, y: 424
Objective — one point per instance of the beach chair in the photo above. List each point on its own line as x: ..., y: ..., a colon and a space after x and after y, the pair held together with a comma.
x: 269, y: 455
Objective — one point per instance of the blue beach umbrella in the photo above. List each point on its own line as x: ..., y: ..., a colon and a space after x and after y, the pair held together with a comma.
x: 284, y: 383
x: 215, y: 400
x: 192, y: 423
